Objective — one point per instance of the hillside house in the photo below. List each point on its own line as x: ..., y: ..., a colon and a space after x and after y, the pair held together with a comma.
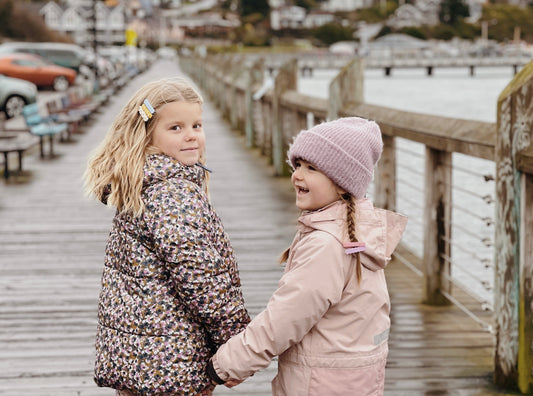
x: 75, y: 19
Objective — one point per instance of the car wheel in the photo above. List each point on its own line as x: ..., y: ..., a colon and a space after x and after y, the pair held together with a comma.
x: 13, y: 106
x: 60, y: 83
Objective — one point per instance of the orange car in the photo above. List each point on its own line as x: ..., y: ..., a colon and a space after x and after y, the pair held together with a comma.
x: 37, y: 70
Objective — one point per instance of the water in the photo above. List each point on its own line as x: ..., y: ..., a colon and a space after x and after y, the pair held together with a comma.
x: 450, y: 93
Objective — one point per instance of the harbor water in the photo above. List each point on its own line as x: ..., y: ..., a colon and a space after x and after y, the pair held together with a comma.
x: 451, y: 93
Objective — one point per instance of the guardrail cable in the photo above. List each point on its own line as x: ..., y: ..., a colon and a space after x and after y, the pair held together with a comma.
x: 484, y: 325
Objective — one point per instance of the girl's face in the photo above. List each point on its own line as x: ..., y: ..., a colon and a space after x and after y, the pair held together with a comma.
x: 314, y: 190
x: 179, y: 132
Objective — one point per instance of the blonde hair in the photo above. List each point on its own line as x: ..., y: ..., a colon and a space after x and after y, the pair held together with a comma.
x: 115, y: 169
x: 350, y: 228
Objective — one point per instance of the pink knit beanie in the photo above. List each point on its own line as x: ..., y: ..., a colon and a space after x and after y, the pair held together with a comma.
x: 346, y: 150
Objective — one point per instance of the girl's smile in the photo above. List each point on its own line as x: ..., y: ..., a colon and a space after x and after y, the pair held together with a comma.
x: 179, y: 132
x: 314, y: 189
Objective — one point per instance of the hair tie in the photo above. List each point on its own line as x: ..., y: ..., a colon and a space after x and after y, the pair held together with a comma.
x: 354, y: 247
x: 146, y: 110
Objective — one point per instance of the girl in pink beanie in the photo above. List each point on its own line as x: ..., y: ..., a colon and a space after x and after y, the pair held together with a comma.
x: 329, y: 318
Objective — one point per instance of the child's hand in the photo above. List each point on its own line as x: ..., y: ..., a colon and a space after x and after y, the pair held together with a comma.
x: 232, y: 382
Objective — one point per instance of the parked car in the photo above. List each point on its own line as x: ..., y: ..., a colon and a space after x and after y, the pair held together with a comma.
x: 62, y: 54
x: 15, y: 94
x: 38, y: 70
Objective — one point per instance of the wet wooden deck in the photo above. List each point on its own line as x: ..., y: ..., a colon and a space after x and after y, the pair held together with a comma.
x: 51, y: 251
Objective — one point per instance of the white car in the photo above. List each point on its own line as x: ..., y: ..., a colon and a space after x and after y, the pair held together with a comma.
x: 15, y: 94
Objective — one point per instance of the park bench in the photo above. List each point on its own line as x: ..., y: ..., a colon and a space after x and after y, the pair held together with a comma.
x: 60, y: 114
x: 75, y: 102
x: 43, y: 127
x: 15, y: 142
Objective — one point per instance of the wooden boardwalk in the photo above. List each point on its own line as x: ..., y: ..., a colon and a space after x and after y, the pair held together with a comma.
x: 51, y: 252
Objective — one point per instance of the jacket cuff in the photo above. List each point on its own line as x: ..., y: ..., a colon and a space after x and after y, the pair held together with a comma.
x: 212, y: 374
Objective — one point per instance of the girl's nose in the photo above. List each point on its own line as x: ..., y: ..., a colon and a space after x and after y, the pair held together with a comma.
x: 296, y: 175
x: 190, y: 134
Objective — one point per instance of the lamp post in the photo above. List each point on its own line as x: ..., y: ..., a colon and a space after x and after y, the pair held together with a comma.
x: 95, y: 44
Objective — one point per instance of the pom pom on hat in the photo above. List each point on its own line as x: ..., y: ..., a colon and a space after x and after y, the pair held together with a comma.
x: 346, y: 150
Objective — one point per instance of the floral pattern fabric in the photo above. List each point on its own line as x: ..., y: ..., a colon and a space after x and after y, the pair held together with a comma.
x: 170, y: 288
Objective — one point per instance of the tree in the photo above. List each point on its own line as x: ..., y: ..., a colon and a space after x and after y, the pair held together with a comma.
x: 249, y: 7
x: 330, y: 33
x: 451, y: 11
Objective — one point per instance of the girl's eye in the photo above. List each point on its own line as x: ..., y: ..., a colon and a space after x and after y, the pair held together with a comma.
x: 311, y: 167
x: 176, y: 128
x: 197, y: 126
x: 297, y: 163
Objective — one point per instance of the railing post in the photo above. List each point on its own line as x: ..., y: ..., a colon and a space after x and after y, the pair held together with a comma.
x: 525, y: 329
x: 237, y: 72
x: 437, y: 226
x: 346, y: 88
x: 255, y: 76
x: 385, y: 176
x: 285, y: 81
x: 512, y: 259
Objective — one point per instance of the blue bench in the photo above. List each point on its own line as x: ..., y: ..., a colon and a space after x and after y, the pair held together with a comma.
x: 42, y: 126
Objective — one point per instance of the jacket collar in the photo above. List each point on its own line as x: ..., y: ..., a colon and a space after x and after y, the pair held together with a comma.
x: 162, y: 167
x: 330, y: 218
x: 380, y: 229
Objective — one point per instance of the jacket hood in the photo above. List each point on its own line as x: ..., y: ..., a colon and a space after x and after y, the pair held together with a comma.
x: 380, y: 229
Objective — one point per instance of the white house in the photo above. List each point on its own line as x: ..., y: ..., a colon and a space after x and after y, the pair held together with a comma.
x: 75, y: 19
x: 317, y: 18
x: 346, y: 5
x: 287, y: 17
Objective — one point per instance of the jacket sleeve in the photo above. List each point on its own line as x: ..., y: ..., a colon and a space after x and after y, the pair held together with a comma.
x: 206, y: 282
x: 313, y: 283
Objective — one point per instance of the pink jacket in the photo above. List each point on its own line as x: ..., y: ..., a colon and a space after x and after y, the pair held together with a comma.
x: 329, y: 331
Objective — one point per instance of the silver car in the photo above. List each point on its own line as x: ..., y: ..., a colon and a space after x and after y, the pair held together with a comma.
x: 15, y: 94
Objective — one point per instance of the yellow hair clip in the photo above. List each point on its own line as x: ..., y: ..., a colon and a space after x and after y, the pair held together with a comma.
x: 146, y: 110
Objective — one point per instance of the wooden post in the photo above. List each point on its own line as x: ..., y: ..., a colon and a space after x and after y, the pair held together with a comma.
x: 513, y: 261
x: 346, y: 88
x: 255, y: 75
x: 525, y: 328
x: 385, y: 176
x: 437, y: 226
x: 285, y: 81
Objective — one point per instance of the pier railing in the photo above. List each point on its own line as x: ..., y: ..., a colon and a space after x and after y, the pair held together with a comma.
x: 270, y: 116
x: 390, y: 58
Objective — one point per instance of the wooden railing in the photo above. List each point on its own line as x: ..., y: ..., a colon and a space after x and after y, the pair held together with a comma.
x: 270, y: 118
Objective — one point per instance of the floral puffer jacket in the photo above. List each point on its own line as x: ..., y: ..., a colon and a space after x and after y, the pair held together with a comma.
x: 170, y: 288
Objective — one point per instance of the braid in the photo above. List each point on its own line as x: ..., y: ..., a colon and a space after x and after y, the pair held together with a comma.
x: 284, y: 256
x: 350, y: 224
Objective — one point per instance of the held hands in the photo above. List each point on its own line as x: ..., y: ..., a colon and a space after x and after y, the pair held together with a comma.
x: 232, y: 382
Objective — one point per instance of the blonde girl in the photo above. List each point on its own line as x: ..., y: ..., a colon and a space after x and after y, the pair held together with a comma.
x: 170, y: 286
x: 329, y: 318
